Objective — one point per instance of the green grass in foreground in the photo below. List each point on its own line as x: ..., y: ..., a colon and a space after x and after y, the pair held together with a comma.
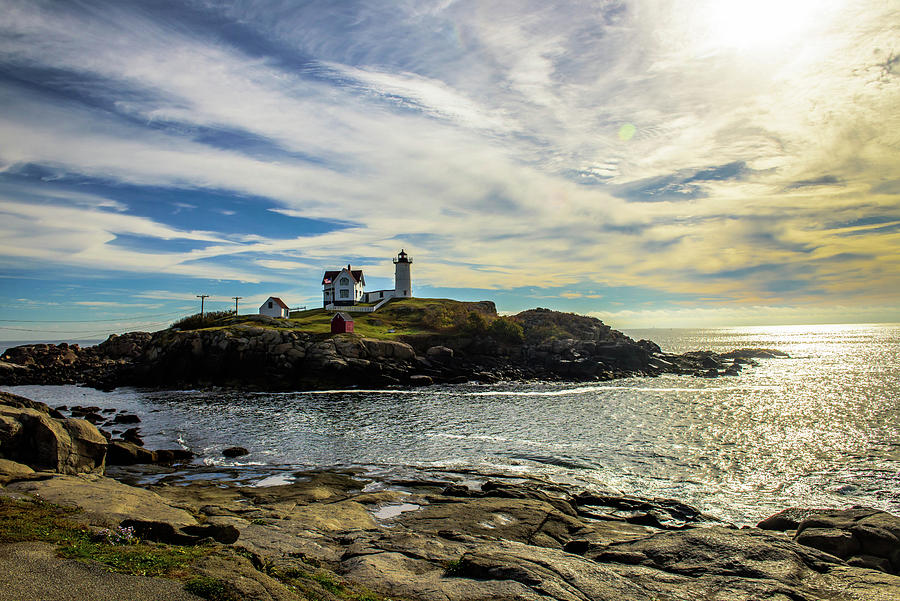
x: 38, y: 521
x: 322, y: 584
x: 34, y: 520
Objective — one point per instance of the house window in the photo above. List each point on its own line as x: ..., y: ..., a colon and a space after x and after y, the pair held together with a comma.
x: 345, y: 281
x: 345, y: 294
x: 270, y: 304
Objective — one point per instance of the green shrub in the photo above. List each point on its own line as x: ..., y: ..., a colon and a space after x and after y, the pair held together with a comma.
x: 543, y: 333
x: 476, y: 323
x: 506, y: 330
x: 454, y: 568
x: 198, y: 321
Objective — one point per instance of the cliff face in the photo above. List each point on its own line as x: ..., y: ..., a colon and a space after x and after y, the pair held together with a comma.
x: 556, y: 346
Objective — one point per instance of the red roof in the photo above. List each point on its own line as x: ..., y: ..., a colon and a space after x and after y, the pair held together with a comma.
x: 280, y: 302
x: 329, y: 276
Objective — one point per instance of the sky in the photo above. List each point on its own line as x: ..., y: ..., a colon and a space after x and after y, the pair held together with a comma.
x: 651, y: 163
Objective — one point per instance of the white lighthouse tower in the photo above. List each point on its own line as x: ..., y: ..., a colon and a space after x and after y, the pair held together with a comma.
x: 402, y: 280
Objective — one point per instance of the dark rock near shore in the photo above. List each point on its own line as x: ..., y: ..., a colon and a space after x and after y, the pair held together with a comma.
x: 127, y: 453
x: 235, y: 452
x: 124, y: 418
x: 862, y: 536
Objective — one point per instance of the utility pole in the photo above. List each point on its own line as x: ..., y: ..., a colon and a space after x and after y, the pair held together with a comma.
x: 202, y: 297
x: 236, y: 298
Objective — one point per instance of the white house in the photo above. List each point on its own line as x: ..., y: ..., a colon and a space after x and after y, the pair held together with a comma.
x: 344, y: 287
x: 274, y: 307
x: 347, y: 286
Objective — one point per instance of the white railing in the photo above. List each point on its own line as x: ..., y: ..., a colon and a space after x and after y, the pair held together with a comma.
x: 351, y: 308
x: 357, y: 308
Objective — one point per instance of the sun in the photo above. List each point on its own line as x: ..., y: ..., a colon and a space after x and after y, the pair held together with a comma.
x: 763, y: 24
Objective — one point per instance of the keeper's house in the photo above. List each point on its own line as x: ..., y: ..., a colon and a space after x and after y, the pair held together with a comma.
x: 344, y: 287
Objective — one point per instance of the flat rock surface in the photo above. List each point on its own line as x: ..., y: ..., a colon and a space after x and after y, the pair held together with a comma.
x: 32, y: 571
x: 105, y: 501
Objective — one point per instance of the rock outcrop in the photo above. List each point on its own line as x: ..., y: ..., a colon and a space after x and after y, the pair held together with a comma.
x: 30, y: 435
x: 863, y: 537
x: 255, y: 355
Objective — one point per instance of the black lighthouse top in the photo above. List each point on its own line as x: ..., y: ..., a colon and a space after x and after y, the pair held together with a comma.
x: 402, y: 258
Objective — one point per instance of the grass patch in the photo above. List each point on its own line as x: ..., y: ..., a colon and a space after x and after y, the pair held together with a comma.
x: 402, y: 317
x: 395, y: 320
x: 323, y: 585
x: 22, y: 521
x: 454, y: 568
x: 143, y: 559
x: 208, y: 588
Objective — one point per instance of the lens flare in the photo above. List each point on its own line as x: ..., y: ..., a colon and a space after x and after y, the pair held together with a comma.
x: 626, y: 132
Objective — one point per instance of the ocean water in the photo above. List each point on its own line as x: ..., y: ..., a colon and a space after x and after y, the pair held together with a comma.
x: 819, y: 429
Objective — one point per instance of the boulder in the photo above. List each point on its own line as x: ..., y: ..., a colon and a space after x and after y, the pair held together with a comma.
x: 420, y: 380
x: 127, y: 453
x: 350, y: 347
x: 125, y: 418
x: 235, y: 452
x: 789, y: 519
x: 11, y: 470
x: 441, y: 354
x: 389, y: 349
x: 132, y: 435
x: 840, y: 543
x: 33, y: 437
x: 173, y: 455
x: 865, y: 536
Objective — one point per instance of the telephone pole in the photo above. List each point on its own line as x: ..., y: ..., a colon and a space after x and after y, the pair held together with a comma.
x: 202, y: 297
x: 236, y: 298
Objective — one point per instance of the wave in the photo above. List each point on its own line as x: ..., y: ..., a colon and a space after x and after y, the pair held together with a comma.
x: 595, y: 389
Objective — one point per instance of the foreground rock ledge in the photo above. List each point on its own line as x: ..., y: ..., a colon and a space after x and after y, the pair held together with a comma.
x: 529, y: 540
x: 526, y: 539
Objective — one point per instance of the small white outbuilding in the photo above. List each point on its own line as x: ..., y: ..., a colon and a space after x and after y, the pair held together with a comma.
x: 274, y: 307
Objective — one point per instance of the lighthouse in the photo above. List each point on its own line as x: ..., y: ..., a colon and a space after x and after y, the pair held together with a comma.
x: 402, y: 280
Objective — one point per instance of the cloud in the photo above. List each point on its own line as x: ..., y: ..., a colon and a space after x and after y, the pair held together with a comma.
x: 823, y: 180
x: 483, y: 137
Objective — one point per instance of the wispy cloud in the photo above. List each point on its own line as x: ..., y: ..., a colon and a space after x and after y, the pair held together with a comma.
x: 487, y: 138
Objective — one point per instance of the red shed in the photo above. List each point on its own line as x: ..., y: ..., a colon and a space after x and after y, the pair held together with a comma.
x: 341, y: 323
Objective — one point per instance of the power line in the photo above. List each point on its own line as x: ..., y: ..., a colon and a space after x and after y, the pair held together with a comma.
x: 88, y: 320
x: 137, y: 325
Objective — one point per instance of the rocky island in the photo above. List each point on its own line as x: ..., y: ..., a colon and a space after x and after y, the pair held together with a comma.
x: 410, y: 342
x: 346, y: 535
